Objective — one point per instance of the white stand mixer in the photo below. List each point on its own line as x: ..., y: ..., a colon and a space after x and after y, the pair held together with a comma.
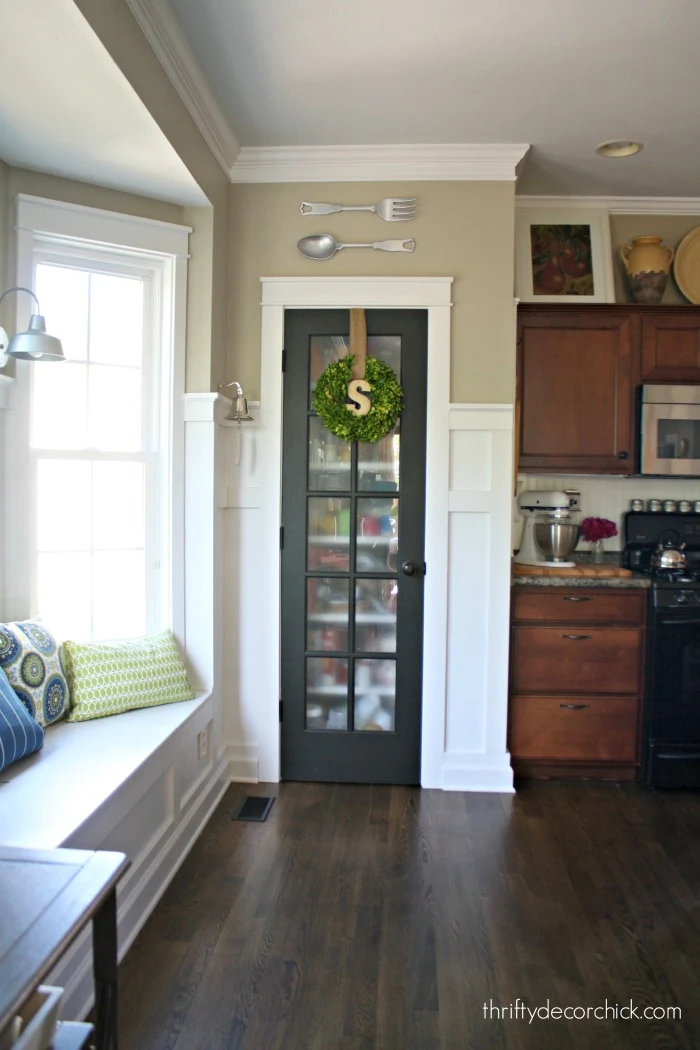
x: 553, y: 506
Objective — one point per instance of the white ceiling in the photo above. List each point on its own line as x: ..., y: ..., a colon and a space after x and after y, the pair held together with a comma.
x: 66, y: 109
x: 560, y: 75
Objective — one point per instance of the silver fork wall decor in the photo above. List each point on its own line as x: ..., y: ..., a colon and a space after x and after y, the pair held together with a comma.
x: 391, y: 209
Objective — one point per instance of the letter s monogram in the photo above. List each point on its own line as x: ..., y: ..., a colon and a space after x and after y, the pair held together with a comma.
x: 357, y: 401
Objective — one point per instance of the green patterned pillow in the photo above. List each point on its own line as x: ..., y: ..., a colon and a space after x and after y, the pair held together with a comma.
x: 108, y: 679
x: 31, y: 659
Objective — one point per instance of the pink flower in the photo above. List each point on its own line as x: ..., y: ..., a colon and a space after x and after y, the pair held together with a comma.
x: 593, y: 529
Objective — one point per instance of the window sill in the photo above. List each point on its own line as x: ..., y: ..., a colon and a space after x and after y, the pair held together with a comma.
x: 46, y: 798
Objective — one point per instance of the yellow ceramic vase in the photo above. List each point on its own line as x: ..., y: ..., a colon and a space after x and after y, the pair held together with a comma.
x: 648, y: 264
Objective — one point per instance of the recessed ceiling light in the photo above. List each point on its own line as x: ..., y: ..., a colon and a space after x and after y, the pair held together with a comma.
x: 618, y: 148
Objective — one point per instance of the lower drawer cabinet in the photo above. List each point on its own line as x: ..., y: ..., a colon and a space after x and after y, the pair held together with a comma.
x: 576, y: 659
x: 564, y: 729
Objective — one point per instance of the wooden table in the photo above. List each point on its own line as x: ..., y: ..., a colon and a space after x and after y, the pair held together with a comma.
x: 47, y: 897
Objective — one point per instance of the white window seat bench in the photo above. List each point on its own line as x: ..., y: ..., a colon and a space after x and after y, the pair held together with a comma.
x: 132, y: 782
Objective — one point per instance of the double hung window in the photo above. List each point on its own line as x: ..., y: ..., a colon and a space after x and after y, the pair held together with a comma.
x: 92, y: 544
x: 94, y: 451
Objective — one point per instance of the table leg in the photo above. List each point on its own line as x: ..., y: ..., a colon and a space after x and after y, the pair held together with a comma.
x: 104, y: 964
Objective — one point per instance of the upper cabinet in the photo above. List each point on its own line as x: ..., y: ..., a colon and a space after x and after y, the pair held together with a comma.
x: 578, y: 373
x: 576, y: 389
x: 670, y: 346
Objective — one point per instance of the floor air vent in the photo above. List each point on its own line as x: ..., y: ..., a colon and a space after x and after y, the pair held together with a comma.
x: 254, y: 808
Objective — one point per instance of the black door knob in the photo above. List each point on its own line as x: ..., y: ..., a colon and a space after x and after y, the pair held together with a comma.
x: 622, y: 455
x: 409, y: 568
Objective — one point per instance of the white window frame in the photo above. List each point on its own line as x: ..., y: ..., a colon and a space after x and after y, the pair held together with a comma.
x: 52, y: 228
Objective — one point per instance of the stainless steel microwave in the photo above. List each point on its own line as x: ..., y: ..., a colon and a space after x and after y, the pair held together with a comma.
x: 670, y: 430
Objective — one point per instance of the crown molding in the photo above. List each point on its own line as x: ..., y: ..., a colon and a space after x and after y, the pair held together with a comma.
x: 410, y: 163
x: 163, y: 33
x: 618, y: 205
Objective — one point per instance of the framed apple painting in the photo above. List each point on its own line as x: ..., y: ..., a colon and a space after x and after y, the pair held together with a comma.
x: 563, y: 256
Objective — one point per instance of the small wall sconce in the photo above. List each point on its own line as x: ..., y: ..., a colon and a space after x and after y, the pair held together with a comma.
x: 34, y: 344
x: 239, y: 409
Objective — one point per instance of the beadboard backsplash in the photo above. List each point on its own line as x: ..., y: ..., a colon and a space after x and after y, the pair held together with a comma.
x: 607, y: 497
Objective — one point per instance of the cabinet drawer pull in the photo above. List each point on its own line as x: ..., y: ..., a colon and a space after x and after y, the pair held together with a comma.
x: 575, y: 598
x: 578, y: 637
x: 574, y: 707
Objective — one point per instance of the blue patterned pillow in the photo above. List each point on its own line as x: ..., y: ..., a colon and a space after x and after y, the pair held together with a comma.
x: 20, y: 735
x: 31, y: 659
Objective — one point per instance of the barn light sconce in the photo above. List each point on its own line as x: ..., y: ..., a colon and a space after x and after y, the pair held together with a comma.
x: 33, y: 345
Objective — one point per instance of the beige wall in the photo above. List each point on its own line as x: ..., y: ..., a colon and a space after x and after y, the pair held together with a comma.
x: 624, y: 227
x: 463, y: 230
x: 207, y: 322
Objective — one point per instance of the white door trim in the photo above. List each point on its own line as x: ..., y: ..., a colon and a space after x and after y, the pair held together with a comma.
x: 434, y: 295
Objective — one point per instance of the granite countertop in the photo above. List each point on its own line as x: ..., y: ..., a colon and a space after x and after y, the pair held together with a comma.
x: 636, y: 581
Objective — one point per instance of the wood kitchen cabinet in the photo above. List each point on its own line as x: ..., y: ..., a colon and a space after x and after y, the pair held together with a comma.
x: 577, y: 377
x: 578, y: 372
x: 576, y: 681
x: 670, y: 345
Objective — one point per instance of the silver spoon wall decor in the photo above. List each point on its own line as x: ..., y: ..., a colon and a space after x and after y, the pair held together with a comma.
x: 323, y: 246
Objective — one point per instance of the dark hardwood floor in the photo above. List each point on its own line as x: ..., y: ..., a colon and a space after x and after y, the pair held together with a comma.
x: 380, y: 918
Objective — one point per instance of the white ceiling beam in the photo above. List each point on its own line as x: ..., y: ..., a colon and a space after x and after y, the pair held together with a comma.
x: 163, y: 33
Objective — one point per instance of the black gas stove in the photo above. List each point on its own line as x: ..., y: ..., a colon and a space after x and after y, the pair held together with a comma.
x: 644, y: 533
x: 672, y: 704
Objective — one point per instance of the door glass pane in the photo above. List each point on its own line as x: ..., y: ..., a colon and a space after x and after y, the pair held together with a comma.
x: 326, y: 692
x: 377, y: 538
x: 378, y: 464
x: 329, y: 458
x: 327, y: 613
x: 375, y: 695
x: 375, y: 615
x: 386, y: 348
x: 323, y: 351
x: 329, y: 534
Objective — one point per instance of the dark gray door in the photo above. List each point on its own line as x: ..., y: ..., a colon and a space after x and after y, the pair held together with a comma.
x: 352, y: 563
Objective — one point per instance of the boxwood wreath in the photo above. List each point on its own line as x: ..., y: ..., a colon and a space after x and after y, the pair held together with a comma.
x: 331, y: 395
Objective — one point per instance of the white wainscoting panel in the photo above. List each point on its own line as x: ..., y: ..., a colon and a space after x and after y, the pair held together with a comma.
x: 155, y: 817
x: 481, y: 465
x: 247, y: 642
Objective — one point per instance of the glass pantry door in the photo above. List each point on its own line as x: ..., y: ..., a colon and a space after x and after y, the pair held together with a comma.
x: 352, y: 564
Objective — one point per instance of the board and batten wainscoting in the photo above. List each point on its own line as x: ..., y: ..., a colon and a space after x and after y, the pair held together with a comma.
x: 467, y: 586
x: 606, y: 497
x: 480, y: 488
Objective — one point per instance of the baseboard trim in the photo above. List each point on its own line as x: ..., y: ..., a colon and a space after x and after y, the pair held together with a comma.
x: 244, y: 764
x: 463, y: 771
x: 147, y: 881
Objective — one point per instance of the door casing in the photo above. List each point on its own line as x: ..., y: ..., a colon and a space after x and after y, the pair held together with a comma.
x: 432, y: 294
